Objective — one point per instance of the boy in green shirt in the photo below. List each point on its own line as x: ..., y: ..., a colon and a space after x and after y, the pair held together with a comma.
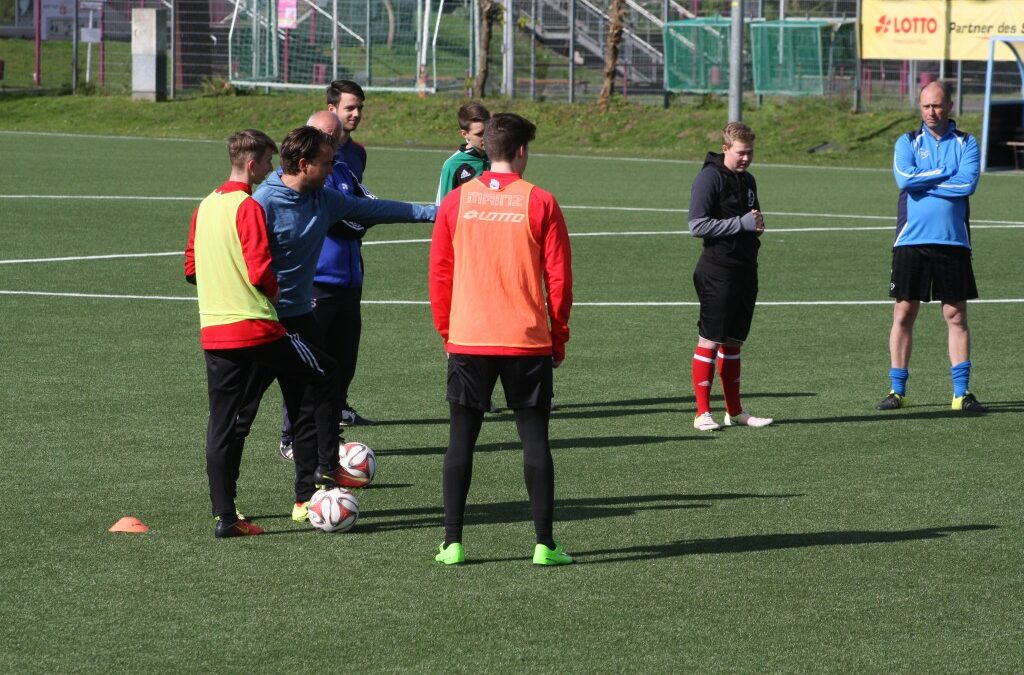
x: 469, y: 160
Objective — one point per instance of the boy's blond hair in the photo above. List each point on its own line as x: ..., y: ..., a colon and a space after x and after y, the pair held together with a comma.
x: 737, y: 131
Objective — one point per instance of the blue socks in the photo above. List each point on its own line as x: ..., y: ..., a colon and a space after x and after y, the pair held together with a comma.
x: 899, y: 377
x: 961, y: 373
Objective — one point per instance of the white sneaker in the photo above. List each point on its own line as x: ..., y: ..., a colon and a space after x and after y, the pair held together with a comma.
x: 705, y: 422
x: 745, y: 419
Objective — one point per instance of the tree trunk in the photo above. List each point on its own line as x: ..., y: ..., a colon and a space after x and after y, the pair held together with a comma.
x: 390, y: 9
x: 611, y: 54
x: 490, y: 10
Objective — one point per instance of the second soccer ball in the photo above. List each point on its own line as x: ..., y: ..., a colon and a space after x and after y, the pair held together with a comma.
x: 359, y: 462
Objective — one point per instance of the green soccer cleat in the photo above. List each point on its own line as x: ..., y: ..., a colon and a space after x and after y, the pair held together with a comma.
x: 968, y: 403
x: 300, y: 512
x: 542, y: 555
x: 453, y: 555
x: 894, y: 401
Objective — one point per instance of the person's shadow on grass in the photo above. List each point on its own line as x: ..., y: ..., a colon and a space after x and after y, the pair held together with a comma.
x: 600, y: 409
x: 566, y: 510
x: 769, y: 542
x: 513, y: 444
x: 911, y: 413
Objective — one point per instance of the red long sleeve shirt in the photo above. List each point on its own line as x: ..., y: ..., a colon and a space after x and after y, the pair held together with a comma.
x: 550, y: 242
x: 232, y: 315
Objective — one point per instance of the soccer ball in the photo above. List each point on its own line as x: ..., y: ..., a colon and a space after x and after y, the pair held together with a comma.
x: 359, y: 462
x: 334, y: 510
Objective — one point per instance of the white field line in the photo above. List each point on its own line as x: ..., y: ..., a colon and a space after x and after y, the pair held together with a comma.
x: 106, y: 137
x: 76, y: 258
x: 567, y: 207
x: 377, y: 148
x: 119, y: 256
x: 126, y: 198
x: 768, y: 303
x: 97, y: 296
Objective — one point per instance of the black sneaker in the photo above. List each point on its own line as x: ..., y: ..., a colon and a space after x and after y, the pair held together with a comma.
x: 239, y: 528
x: 968, y: 403
x: 326, y: 479
x: 893, y: 401
x: 286, y: 452
x: 350, y: 418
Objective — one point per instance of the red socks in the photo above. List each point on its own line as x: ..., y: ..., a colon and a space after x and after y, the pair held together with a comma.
x: 703, y: 376
x: 729, y: 371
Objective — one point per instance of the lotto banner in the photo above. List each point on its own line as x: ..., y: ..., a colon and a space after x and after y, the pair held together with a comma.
x: 972, y: 22
x: 956, y: 30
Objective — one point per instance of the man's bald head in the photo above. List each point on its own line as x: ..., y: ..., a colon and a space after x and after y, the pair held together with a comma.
x: 327, y: 122
x: 939, y: 87
x: 936, y: 103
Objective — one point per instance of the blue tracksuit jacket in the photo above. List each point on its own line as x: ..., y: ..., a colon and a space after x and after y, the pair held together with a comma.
x: 935, y: 178
x: 298, y: 222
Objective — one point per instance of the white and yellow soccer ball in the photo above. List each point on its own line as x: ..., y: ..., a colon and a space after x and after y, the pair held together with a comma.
x: 334, y: 510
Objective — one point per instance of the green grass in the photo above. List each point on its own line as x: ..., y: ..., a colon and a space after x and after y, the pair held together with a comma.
x: 839, y: 539
x: 786, y: 130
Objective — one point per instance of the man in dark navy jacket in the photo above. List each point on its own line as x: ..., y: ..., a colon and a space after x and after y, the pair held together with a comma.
x: 725, y: 213
x: 339, y: 274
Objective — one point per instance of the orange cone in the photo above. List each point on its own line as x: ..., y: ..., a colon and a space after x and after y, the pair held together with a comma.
x: 129, y: 524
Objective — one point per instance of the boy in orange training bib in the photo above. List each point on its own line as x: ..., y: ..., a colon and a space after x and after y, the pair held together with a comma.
x: 501, y: 292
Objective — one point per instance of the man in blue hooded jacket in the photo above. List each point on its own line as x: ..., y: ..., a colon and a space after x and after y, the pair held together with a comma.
x: 338, y: 283
x: 299, y: 214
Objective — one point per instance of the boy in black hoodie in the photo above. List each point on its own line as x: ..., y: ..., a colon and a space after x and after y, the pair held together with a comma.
x: 725, y: 213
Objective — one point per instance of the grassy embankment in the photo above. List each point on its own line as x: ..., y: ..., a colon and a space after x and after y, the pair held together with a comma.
x: 787, y: 129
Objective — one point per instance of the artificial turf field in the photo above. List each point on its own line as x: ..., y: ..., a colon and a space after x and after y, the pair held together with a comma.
x: 838, y: 539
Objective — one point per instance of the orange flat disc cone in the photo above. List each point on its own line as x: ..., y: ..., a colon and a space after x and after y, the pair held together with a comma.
x: 129, y: 524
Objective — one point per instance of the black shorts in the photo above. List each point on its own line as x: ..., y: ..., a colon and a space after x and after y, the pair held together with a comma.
x: 932, y: 272
x: 527, y: 380
x: 727, y: 298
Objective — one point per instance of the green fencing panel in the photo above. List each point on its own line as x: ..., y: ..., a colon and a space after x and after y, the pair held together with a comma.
x: 798, y: 57
x: 697, y: 55
x: 378, y: 43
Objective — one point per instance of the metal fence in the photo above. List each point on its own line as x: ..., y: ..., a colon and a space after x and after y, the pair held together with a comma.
x: 557, y: 50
